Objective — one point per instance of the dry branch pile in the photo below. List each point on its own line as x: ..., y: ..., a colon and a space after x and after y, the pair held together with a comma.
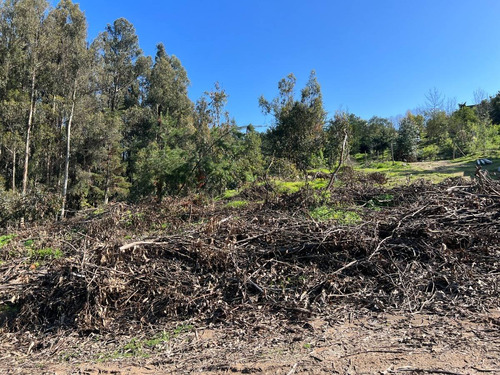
x: 434, y: 248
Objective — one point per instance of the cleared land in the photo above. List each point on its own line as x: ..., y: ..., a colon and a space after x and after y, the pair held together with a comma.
x: 362, y: 279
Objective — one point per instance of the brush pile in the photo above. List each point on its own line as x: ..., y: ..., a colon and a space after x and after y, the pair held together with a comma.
x: 421, y: 247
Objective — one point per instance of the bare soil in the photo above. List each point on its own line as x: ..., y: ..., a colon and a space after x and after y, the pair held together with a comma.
x: 355, y: 344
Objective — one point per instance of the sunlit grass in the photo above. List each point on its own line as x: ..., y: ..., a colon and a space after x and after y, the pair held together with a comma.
x: 237, y: 204
x: 325, y: 213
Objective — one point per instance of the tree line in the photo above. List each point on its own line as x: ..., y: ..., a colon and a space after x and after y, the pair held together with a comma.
x: 85, y: 123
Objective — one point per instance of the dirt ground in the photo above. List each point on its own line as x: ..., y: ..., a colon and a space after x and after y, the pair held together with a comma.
x: 368, y: 344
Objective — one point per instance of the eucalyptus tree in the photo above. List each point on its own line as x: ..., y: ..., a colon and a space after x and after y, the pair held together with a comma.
x: 119, y: 49
x: 165, y: 148
x: 23, y: 44
x: 298, y: 129
x: 119, y: 66
x: 168, y: 87
x: 70, y: 63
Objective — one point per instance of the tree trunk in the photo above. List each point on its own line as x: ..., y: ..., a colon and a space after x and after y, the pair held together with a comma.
x: 341, y: 161
x: 28, y: 133
x: 68, y: 146
x: 108, y: 178
x: 14, y: 153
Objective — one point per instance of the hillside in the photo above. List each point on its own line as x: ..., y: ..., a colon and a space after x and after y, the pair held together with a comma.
x: 364, y: 278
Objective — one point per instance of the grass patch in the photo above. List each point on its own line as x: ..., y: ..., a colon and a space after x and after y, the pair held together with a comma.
x: 291, y: 187
x: 288, y: 187
x: 237, y: 204
x: 29, y: 243
x: 325, y: 213
x: 141, y: 348
x: 45, y: 254
x: 5, y: 240
x: 228, y: 194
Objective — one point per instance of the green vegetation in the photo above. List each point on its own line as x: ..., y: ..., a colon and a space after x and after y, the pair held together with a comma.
x: 131, y: 132
x: 325, y: 213
x: 29, y: 243
x: 45, y: 254
x: 141, y: 348
x: 228, y: 194
x: 290, y: 187
x: 5, y: 239
x: 237, y: 204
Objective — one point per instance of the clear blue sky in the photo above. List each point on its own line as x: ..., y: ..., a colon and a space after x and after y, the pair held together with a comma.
x: 371, y: 57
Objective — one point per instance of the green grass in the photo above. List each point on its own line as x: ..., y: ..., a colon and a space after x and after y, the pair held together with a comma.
x: 237, y: 204
x: 140, y: 348
x: 291, y: 187
x: 325, y: 213
x: 228, y: 194
x: 435, y: 171
x: 5, y: 240
x: 29, y: 243
x: 44, y: 254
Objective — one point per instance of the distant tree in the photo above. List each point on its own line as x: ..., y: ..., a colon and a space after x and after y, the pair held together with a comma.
x: 298, y: 130
x: 70, y: 64
x: 434, y: 102
x: 409, y: 137
x: 494, y: 109
x: 168, y: 86
x: 380, y: 134
x: 437, y: 128
x: 463, y: 130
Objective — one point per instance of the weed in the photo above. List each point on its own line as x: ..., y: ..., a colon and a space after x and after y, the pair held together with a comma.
x: 136, y: 348
x: 29, y: 243
x: 237, y: 204
x: 230, y: 194
x: 4, y: 240
x: 98, y: 211
x: 45, y: 254
x: 325, y: 213
x: 307, y: 346
x: 288, y: 187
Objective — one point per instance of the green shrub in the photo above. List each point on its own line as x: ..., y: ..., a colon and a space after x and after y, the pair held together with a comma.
x: 430, y: 152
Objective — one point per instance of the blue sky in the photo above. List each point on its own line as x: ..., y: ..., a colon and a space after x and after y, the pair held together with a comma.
x: 371, y: 57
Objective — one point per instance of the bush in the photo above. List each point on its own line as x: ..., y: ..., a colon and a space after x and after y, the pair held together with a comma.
x: 284, y: 169
x: 39, y: 204
x: 430, y: 152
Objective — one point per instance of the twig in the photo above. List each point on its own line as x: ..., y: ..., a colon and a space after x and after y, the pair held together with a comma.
x: 292, y: 371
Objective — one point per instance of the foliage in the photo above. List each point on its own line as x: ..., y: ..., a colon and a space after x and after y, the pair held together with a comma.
x: 409, y: 137
x: 82, y: 125
x: 297, y: 133
x: 430, y: 152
